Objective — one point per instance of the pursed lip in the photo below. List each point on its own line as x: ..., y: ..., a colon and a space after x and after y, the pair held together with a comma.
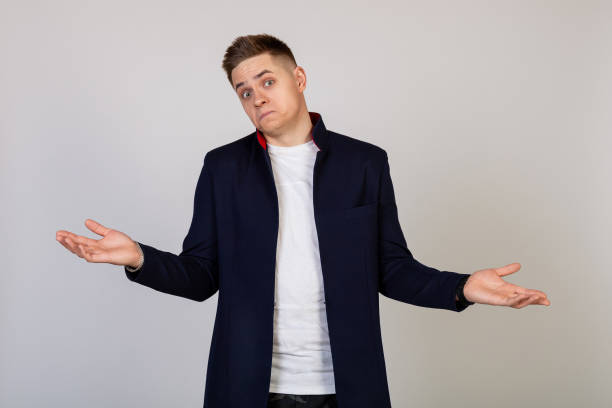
x: 265, y: 114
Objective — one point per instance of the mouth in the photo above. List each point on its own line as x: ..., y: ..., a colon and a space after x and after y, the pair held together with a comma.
x: 265, y: 114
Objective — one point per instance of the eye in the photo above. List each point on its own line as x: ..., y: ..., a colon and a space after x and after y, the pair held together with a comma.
x: 247, y: 93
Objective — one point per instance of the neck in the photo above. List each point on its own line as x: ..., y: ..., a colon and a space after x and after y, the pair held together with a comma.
x: 297, y: 133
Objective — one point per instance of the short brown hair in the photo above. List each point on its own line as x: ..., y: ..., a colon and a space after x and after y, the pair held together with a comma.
x: 248, y: 46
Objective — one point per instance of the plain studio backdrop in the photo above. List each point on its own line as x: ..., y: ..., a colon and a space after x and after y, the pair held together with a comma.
x: 497, y: 115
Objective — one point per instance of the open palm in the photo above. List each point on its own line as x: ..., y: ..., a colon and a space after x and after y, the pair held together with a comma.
x: 115, y: 247
x: 486, y: 286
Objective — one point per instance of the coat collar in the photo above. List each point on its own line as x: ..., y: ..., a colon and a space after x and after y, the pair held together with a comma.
x: 320, y: 136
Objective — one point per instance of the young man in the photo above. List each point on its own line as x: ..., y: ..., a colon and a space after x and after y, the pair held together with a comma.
x: 296, y: 227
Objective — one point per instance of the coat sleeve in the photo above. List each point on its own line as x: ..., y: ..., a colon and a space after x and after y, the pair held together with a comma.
x: 194, y: 273
x: 401, y: 276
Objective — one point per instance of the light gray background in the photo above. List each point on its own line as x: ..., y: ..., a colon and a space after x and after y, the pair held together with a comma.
x: 496, y: 117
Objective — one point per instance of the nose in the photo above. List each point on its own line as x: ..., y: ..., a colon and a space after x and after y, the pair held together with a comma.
x: 260, y: 99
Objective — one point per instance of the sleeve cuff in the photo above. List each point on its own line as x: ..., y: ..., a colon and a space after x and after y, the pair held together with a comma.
x: 132, y: 272
x: 462, y: 303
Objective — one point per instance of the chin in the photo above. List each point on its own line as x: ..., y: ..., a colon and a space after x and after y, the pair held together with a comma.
x: 269, y: 125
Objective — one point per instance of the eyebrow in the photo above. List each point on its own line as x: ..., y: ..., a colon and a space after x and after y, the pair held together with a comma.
x: 265, y: 71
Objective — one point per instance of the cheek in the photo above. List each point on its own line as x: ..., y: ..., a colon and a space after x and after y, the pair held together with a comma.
x: 287, y: 97
x: 248, y: 109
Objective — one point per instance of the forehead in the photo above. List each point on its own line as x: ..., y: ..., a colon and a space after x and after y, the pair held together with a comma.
x: 247, y: 69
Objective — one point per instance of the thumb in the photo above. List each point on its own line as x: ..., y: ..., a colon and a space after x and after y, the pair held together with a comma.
x: 508, y: 269
x: 97, y: 227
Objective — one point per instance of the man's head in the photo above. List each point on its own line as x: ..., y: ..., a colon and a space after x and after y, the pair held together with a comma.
x: 266, y: 78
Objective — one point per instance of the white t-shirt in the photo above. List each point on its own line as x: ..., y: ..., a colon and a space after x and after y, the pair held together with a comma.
x: 301, y: 354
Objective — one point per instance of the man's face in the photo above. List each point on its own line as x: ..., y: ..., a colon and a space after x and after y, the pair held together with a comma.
x: 267, y: 85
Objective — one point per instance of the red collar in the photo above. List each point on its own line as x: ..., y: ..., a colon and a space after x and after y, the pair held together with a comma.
x: 314, y: 118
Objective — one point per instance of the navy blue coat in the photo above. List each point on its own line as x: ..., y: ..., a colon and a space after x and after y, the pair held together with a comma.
x: 231, y: 248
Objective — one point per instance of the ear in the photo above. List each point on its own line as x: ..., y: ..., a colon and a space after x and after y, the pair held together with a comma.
x: 300, y: 78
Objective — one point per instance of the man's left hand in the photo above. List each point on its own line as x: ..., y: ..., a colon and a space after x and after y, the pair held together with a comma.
x: 486, y: 286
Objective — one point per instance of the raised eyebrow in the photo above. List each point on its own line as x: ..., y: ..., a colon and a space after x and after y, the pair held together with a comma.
x: 265, y: 71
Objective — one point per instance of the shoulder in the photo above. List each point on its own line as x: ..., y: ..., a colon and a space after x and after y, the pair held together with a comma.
x: 355, y: 147
x: 228, y: 152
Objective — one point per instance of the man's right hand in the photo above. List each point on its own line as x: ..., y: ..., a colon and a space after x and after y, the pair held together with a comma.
x: 115, y: 247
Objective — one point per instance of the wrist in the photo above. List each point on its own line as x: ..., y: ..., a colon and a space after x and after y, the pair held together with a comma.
x: 460, y: 295
x: 139, y: 259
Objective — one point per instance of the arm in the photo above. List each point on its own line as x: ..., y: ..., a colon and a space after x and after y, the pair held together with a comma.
x: 402, y: 277
x: 194, y: 273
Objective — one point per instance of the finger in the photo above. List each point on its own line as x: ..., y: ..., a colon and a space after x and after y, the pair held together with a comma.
x: 511, y: 292
x: 526, y: 291
x: 508, y: 269
x: 539, y: 300
x: 539, y: 292
x: 522, y: 302
x: 91, y: 254
x: 77, y: 248
x: 517, y: 298
x: 530, y: 300
x: 94, y: 255
x: 543, y: 301
x: 79, y: 239
x: 61, y: 234
x: 85, y: 252
x: 64, y: 244
x: 72, y: 246
x: 531, y: 292
x: 68, y: 244
x: 97, y: 227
